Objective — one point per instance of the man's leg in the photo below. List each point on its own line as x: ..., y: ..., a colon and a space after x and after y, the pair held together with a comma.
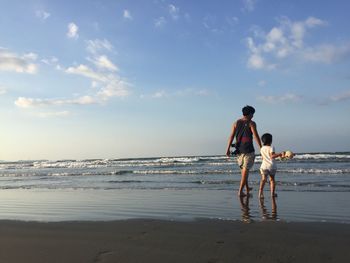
x: 244, y: 180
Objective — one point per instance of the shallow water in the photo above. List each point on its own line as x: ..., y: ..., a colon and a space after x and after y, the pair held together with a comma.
x: 105, y: 205
x: 311, y: 187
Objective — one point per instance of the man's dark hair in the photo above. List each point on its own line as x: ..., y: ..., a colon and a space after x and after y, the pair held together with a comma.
x: 266, y: 139
x: 247, y: 110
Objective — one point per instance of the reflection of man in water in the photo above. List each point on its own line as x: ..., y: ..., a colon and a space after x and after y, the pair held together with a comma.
x: 264, y: 213
x: 244, y: 200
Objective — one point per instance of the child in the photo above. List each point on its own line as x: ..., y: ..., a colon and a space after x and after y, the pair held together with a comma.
x: 268, y: 166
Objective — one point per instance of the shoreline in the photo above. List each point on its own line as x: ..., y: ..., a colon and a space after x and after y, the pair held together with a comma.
x: 144, y: 240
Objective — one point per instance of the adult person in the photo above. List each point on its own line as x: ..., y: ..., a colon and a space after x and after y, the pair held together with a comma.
x: 244, y: 129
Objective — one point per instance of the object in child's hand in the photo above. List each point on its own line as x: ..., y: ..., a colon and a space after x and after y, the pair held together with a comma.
x: 288, y: 155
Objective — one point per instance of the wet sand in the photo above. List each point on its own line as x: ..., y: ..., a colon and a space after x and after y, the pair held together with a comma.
x: 169, y: 241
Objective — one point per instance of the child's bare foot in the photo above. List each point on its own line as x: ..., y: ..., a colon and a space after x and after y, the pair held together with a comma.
x: 274, y: 195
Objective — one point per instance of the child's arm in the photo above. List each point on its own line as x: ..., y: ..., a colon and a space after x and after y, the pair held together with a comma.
x: 274, y: 155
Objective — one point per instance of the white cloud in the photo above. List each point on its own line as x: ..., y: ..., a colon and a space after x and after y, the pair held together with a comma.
x: 21, y: 64
x: 72, y: 31
x: 249, y: 5
x: 111, y: 84
x: 23, y: 102
x: 174, y: 11
x: 97, y: 45
x: 127, y: 15
x: 103, y: 62
x: 160, y: 22
x: 281, y: 42
x: 105, y: 82
x: 280, y: 99
x: 43, y: 15
x: 115, y: 88
x: 85, y: 71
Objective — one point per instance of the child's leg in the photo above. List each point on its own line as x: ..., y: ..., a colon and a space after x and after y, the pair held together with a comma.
x: 262, y: 184
x: 272, y: 185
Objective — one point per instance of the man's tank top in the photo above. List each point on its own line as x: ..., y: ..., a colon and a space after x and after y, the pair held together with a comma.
x: 244, y: 137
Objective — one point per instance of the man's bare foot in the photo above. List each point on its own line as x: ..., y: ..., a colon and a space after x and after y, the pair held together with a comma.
x: 242, y: 194
x: 274, y: 195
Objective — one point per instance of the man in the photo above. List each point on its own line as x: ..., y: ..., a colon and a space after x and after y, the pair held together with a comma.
x: 244, y: 129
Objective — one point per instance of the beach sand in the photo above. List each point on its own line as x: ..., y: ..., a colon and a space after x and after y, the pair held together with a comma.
x: 169, y: 241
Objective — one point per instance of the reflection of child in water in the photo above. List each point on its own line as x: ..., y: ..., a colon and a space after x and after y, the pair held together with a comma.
x: 268, y: 166
x: 265, y: 214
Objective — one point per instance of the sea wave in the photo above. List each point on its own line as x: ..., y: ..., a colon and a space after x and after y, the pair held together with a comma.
x: 160, y: 161
x: 315, y: 171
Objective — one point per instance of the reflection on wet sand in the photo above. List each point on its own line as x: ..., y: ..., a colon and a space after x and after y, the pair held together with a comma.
x: 244, y: 200
x: 264, y: 212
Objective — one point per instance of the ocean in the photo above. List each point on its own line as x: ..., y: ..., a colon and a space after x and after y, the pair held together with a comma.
x: 310, y: 187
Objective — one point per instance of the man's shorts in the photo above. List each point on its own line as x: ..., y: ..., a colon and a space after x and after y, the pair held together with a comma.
x: 246, y: 160
x: 268, y: 172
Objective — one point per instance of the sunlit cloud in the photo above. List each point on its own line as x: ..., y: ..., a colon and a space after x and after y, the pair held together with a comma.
x: 103, y: 62
x: 21, y: 64
x: 112, y: 85
x: 267, y: 50
x: 23, y: 102
x: 72, y: 31
x: 127, y: 15
x: 85, y: 71
x: 104, y: 80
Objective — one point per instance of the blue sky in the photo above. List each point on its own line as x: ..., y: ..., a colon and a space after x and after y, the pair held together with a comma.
x: 115, y: 79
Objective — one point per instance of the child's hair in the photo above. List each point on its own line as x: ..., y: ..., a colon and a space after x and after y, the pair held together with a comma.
x: 266, y: 139
x: 247, y: 110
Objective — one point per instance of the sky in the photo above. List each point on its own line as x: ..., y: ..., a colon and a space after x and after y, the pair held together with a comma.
x: 148, y: 78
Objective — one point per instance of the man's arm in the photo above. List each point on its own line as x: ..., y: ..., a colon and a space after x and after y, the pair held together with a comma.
x: 230, y: 139
x: 255, y: 133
